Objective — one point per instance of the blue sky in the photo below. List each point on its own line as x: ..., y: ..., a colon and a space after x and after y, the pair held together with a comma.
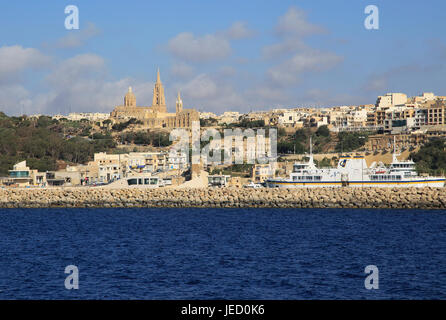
x: 222, y: 55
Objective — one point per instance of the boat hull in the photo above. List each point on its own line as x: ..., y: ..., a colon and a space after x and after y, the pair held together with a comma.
x: 419, y: 183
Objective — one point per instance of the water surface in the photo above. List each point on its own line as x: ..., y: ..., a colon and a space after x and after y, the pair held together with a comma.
x: 222, y: 253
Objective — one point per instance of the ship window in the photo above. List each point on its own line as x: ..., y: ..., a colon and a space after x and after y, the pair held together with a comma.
x: 317, y: 178
x: 310, y: 178
x: 295, y: 178
x: 146, y: 181
x: 153, y: 181
x: 139, y: 181
x: 132, y: 182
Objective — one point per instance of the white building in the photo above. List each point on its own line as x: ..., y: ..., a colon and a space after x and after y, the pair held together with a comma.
x: 207, y: 115
x: 229, y: 117
x: 391, y: 99
x: 177, y: 161
x: 289, y: 118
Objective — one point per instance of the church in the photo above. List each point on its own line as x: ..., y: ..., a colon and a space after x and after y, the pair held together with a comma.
x: 156, y: 116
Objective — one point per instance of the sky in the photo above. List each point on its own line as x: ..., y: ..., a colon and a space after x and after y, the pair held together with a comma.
x: 222, y: 56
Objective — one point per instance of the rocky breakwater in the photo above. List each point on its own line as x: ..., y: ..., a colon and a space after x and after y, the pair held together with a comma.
x: 410, y: 198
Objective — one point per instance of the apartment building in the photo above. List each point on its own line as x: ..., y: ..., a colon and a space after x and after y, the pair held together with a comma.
x: 263, y: 172
x: 391, y: 99
x: 435, y: 111
x: 21, y: 175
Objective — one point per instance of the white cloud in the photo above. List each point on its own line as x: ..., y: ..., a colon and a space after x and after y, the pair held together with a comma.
x: 14, y: 98
x: 77, y: 84
x: 285, y: 47
x: 322, y: 98
x: 291, y: 28
x: 192, y: 48
x: 294, y: 22
x: 209, y: 92
x: 290, y: 71
x: 200, y: 87
x: 181, y: 70
x: 15, y: 59
x: 91, y: 95
x: 227, y: 71
x: 75, y: 69
x: 77, y: 38
x: 238, y: 30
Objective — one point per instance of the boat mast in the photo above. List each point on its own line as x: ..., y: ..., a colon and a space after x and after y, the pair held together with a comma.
x: 311, y: 146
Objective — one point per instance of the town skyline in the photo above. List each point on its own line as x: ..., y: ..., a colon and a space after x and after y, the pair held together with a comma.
x: 289, y: 55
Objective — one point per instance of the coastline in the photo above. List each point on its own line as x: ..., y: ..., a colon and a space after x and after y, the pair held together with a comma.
x: 98, y: 197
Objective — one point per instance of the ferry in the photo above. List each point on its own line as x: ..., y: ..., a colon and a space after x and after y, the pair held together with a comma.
x: 352, y: 171
x: 138, y: 181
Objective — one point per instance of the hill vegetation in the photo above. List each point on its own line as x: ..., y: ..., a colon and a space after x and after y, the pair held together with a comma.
x: 431, y: 158
x: 42, y: 141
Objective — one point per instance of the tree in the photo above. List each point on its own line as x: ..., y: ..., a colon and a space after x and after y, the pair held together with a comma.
x: 350, y: 141
x: 323, y: 131
x: 431, y: 158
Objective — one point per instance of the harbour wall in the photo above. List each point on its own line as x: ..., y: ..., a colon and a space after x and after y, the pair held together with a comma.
x: 409, y: 198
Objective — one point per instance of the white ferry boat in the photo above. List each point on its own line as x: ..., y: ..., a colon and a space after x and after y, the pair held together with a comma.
x: 352, y: 171
x: 138, y: 181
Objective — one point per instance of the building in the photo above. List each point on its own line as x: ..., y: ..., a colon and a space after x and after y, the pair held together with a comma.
x: 207, y: 115
x: 21, y: 175
x: 178, y: 161
x: 155, y: 116
x: 263, y: 172
x: 228, y: 117
x: 218, y: 180
x: 110, y: 166
x: 435, y: 111
x: 74, y: 116
x: 391, y: 99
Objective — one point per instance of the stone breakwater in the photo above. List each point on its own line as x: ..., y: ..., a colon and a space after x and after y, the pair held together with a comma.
x: 410, y: 198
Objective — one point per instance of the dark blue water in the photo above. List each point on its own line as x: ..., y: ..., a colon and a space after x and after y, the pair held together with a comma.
x: 222, y: 254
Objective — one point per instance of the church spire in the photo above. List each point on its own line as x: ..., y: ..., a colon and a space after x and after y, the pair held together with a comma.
x: 179, y: 107
x: 159, y: 101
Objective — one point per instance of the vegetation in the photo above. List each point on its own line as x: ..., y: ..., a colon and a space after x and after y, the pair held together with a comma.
x: 299, y: 142
x: 43, y: 141
x: 323, y: 131
x: 154, y: 138
x: 324, y: 163
x: 431, y: 158
x: 124, y: 125
x: 245, y: 123
x: 350, y: 141
x: 208, y: 122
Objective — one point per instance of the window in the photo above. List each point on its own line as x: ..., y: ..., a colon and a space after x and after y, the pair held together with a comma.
x: 132, y: 182
x: 19, y: 174
x: 146, y: 181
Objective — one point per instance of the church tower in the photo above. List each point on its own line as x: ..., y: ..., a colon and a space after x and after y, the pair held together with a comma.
x: 179, y: 103
x: 159, y: 101
x: 129, y: 99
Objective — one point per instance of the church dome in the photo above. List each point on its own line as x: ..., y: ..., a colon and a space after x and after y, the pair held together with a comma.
x: 130, y: 99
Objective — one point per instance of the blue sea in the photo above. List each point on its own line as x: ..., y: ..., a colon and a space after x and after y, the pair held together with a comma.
x: 222, y: 253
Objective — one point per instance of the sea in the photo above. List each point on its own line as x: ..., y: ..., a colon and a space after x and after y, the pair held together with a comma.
x: 272, y: 254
